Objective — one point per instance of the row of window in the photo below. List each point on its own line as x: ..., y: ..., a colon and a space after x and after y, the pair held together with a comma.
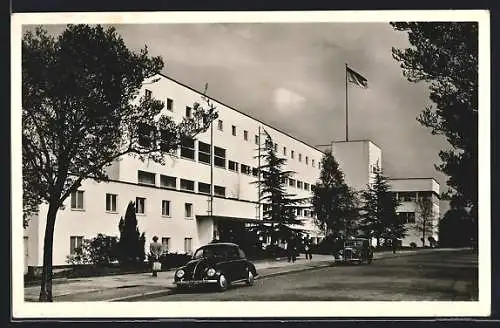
x: 75, y: 242
x: 220, y: 127
x: 77, y: 203
x: 409, y: 196
x: 298, y: 211
x: 406, y: 217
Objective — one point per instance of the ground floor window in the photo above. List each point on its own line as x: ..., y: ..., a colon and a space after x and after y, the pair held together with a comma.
x: 75, y: 242
x: 140, y: 205
x: 110, y: 203
x: 188, y: 245
x: 188, y: 210
x: 165, y: 208
x: 165, y: 242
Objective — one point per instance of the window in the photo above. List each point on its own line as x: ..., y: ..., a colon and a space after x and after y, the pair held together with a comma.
x: 168, y: 181
x: 77, y: 200
x: 407, y: 217
x: 292, y: 155
x: 75, y: 242
x: 219, y: 157
x: 306, y: 213
x: 187, y: 148
x: 233, y: 130
x: 284, y: 151
x: 144, y: 132
x: 291, y: 182
x: 110, y: 203
x: 165, y: 208
x: 203, y: 188
x: 188, y: 210
x: 319, y: 165
x: 220, y: 125
x: 407, y: 196
x: 188, y: 112
x: 299, y: 184
x: 188, y: 245
x: 312, y: 162
x: 307, y: 160
x: 220, y: 191
x: 187, y: 185
x: 245, y: 135
x: 255, y: 171
x: 275, y: 147
x: 147, y: 178
x: 256, y: 139
x: 170, y: 104
x: 306, y: 186
x: 147, y: 94
x: 299, y: 212
x: 140, y: 205
x: 300, y: 157
x: 204, y: 154
x: 283, y: 180
x: 165, y: 245
x: 245, y: 169
x: 233, y: 166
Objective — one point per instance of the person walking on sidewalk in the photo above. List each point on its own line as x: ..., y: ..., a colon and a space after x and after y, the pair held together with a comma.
x: 307, y: 248
x: 291, y: 248
x: 155, y: 250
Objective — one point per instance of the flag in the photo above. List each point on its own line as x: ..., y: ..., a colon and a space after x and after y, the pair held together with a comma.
x: 356, y: 78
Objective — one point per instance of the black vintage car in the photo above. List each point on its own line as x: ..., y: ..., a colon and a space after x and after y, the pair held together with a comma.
x: 357, y: 250
x: 218, y: 264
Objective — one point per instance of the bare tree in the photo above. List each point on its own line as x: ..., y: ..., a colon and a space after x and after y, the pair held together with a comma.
x: 425, y: 217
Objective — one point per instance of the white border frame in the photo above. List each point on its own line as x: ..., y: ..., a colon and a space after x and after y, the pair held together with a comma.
x: 22, y: 309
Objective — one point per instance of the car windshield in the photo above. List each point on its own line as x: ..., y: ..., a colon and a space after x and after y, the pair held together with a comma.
x: 354, y: 243
x: 209, y: 252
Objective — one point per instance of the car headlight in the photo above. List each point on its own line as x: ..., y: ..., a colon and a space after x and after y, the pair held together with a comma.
x: 179, y: 273
x: 211, y: 272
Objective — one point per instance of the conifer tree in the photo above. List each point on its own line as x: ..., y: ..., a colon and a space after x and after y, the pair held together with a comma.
x: 132, y: 242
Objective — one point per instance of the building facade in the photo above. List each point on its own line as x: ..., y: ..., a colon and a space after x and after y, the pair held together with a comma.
x: 173, y: 200
x: 410, y: 192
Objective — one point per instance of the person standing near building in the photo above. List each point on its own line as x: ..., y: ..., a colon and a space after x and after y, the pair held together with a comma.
x: 307, y: 248
x: 291, y: 248
x: 155, y: 250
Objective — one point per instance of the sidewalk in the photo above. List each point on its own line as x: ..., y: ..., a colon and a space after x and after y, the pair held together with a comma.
x: 120, y: 287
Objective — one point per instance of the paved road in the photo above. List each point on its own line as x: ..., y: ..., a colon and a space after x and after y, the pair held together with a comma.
x: 442, y: 276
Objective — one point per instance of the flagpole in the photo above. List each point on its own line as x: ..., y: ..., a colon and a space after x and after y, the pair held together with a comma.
x: 258, y: 173
x: 346, y: 108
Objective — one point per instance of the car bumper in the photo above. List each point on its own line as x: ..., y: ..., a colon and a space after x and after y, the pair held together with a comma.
x: 195, y: 282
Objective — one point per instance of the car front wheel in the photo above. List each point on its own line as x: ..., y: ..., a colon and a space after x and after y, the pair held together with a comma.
x: 223, y: 283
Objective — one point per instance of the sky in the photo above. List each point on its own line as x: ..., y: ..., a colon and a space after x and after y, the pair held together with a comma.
x: 292, y: 76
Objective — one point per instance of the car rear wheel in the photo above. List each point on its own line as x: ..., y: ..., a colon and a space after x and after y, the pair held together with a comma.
x: 223, y: 283
x: 250, y: 278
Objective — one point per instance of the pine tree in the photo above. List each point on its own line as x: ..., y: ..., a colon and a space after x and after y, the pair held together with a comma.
x: 279, y: 206
x: 379, y: 216
x: 334, y: 203
x: 132, y: 242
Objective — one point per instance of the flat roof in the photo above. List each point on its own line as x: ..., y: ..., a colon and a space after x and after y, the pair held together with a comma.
x: 247, y: 115
x: 418, y: 178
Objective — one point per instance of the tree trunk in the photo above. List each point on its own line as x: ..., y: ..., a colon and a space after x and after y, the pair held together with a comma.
x: 378, y: 241
x: 46, y: 286
x: 423, y: 235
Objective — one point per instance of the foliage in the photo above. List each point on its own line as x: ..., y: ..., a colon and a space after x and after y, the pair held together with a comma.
x: 131, y: 243
x: 457, y: 228
x: 445, y: 54
x: 425, y: 217
x: 279, y: 206
x: 334, y: 203
x: 379, y: 218
x: 81, y: 110
x: 100, y: 250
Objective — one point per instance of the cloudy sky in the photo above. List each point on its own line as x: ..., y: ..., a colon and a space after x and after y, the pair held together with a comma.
x: 292, y: 76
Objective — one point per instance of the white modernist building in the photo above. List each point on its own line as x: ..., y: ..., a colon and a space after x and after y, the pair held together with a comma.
x: 173, y: 200
x: 409, y: 191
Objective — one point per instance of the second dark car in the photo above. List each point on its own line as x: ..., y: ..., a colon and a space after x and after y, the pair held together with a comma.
x: 218, y: 264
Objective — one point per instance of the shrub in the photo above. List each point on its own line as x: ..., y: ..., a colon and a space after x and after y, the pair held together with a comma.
x: 100, y: 250
x: 171, y: 260
x: 413, y: 245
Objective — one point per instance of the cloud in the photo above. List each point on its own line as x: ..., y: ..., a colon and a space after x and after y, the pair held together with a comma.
x: 285, y: 100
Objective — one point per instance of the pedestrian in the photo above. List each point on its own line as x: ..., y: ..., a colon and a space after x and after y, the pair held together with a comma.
x: 155, y: 250
x: 307, y: 248
x: 291, y: 249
